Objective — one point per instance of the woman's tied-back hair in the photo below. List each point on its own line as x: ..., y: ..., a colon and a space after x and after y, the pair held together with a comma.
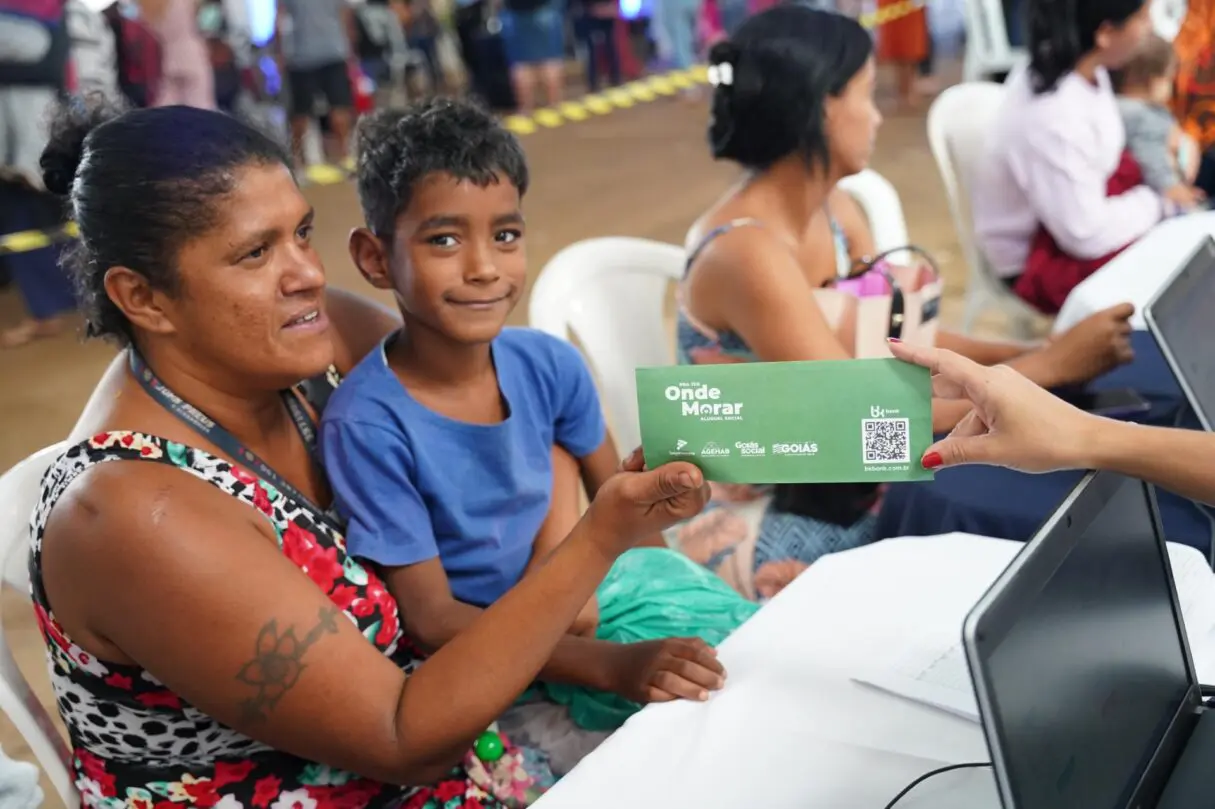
x: 139, y: 185
x: 1063, y: 31
x: 397, y: 149
x: 772, y: 79
x: 1153, y: 59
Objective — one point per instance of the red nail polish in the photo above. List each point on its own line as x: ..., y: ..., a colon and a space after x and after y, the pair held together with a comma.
x: 932, y: 460
x: 893, y: 340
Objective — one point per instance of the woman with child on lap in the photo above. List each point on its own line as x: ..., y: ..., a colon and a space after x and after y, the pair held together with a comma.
x: 793, y: 106
x: 1059, y: 193
x: 212, y: 639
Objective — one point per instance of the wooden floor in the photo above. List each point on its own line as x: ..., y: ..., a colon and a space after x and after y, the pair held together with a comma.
x: 641, y: 172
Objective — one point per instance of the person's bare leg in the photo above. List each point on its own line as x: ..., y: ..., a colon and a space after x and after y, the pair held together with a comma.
x: 906, y: 72
x: 299, y: 131
x: 554, y: 82
x: 523, y: 78
x: 340, y: 122
x: 27, y: 331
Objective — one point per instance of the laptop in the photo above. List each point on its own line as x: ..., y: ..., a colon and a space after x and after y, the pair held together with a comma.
x: 1179, y: 318
x: 1082, y: 672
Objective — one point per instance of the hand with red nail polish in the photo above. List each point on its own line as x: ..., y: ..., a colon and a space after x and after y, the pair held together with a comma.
x: 1012, y: 422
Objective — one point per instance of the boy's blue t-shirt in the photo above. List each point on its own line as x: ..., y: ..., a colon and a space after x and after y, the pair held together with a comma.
x: 413, y: 484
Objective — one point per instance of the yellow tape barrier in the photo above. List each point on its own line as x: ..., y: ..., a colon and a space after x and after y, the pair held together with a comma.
x: 26, y: 240
x: 892, y: 12
x: 636, y: 92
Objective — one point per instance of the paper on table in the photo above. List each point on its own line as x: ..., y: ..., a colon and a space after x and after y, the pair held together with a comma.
x: 937, y: 678
x: 1195, y: 589
x: 934, y: 672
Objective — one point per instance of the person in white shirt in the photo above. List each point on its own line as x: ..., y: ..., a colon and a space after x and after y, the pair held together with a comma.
x: 1054, y: 190
x: 94, y: 52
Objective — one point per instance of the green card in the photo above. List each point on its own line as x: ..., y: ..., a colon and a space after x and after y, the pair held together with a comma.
x: 850, y: 421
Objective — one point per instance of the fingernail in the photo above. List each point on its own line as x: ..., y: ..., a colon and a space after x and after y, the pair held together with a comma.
x: 932, y: 460
x: 685, y: 480
x: 703, y: 695
x: 893, y: 340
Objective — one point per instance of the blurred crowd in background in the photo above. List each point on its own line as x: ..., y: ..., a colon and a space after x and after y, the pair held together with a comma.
x: 307, y: 69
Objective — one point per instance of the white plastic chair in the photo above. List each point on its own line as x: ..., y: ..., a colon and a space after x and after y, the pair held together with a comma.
x: 987, y: 48
x: 610, y: 294
x: 959, y: 124
x: 880, y: 202
x: 19, y: 488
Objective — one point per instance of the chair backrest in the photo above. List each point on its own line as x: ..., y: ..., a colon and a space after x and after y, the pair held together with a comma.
x: 986, y: 31
x: 19, y: 491
x: 880, y: 202
x: 960, y: 121
x: 610, y: 294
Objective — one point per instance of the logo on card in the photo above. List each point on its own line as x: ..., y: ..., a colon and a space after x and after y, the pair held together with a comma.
x: 714, y: 450
x: 681, y: 448
x: 795, y: 448
x: 751, y: 448
x: 703, y: 401
x: 882, y: 412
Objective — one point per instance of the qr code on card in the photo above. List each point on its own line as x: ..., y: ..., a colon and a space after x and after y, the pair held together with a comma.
x: 885, y: 441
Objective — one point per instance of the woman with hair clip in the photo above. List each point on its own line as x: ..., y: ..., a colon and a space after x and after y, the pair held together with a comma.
x: 1058, y: 195
x: 793, y: 106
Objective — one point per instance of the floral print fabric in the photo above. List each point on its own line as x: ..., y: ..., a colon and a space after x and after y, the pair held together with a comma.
x: 138, y: 745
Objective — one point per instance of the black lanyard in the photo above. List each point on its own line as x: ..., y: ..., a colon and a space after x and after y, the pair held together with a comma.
x: 220, y: 437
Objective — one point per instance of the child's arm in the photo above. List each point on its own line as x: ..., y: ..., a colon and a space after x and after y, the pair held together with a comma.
x: 1148, y: 135
x: 389, y: 524
x: 565, y: 508
x: 579, y: 425
x: 430, y: 613
x: 1186, y: 154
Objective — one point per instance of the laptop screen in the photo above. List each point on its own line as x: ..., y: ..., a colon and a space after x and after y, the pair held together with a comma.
x: 1092, y: 666
x: 1180, y: 318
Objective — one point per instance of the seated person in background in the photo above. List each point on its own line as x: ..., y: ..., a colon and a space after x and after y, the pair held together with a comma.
x: 793, y: 104
x: 439, y: 445
x: 1166, y: 155
x: 1057, y: 195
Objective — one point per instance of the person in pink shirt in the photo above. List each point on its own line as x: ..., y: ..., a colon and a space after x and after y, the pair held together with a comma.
x: 1057, y: 196
x: 186, y: 73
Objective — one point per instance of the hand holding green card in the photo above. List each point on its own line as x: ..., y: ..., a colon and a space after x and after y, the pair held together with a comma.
x: 846, y: 421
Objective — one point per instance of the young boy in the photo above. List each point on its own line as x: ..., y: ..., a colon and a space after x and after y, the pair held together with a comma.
x: 454, y: 450
x: 1167, y: 157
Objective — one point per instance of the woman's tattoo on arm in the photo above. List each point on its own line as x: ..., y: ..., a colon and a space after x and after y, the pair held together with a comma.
x: 277, y: 662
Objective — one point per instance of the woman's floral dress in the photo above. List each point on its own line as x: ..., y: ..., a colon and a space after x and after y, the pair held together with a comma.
x: 138, y: 745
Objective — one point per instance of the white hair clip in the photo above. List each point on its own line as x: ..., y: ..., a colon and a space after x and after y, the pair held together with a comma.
x: 721, y: 75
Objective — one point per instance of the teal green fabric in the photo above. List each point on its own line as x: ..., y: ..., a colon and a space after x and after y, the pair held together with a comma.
x: 650, y: 594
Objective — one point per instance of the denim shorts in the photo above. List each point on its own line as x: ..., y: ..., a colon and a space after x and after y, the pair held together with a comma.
x: 534, y: 37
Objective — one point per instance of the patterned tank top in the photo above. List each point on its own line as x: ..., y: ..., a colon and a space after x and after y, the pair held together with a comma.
x: 137, y: 745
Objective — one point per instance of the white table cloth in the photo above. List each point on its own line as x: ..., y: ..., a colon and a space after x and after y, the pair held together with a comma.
x: 1137, y: 273
x: 791, y: 729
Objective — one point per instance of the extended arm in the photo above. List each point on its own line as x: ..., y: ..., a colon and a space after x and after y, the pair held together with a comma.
x: 228, y: 603
x: 1178, y: 460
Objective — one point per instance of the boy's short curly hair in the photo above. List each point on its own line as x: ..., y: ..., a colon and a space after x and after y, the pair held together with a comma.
x: 396, y: 149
